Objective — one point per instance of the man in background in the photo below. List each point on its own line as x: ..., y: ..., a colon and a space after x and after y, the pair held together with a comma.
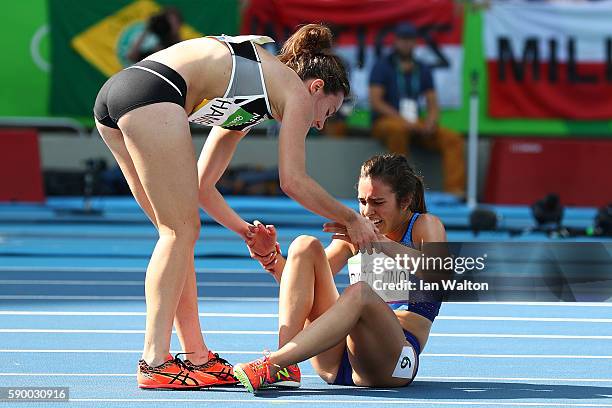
x: 398, y: 82
x: 161, y: 31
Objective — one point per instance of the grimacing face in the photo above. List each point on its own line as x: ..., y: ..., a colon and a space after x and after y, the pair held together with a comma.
x: 378, y: 203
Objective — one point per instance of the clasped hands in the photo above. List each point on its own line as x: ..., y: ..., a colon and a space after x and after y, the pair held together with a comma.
x: 264, y: 247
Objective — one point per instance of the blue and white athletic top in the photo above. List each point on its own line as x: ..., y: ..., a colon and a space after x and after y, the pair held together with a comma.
x: 398, y: 298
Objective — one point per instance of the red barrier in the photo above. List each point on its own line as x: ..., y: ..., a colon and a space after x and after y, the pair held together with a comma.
x: 523, y: 170
x: 20, y: 173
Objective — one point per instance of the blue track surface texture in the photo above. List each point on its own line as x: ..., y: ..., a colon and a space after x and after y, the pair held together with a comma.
x: 72, y: 315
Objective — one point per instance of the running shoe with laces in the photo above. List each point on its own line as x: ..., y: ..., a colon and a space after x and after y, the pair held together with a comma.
x: 288, y: 377
x: 217, y: 367
x: 255, y: 375
x: 172, y: 374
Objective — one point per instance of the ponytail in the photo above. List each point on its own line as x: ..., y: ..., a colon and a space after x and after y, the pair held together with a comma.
x: 309, y: 53
x: 418, y: 197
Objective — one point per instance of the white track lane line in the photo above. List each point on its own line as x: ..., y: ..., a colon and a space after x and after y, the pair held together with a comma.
x: 141, y: 298
x: 92, y: 313
x: 348, y: 402
x: 421, y: 378
x: 205, y: 299
x: 442, y: 355
x: 273, y: 332
x: 441, y: 317
x: 76, y: 269
x: 131, y: 283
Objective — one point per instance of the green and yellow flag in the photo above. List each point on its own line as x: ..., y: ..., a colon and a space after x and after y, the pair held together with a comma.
x: 90, y: 41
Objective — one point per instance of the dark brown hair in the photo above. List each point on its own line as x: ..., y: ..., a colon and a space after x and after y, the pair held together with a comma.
x: 394, y: 170
x: 308, y: 53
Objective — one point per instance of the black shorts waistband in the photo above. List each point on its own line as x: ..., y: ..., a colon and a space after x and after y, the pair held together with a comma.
x: 166, y: 72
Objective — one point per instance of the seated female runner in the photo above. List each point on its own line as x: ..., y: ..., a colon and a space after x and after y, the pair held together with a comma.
x: 355, y: 338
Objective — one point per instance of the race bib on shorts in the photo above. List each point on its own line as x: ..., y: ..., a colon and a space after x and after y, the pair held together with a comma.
x: 406, y: 364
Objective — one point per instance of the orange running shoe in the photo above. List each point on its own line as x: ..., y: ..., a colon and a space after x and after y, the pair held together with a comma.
x: 288, y: 377
x: 217, y: 367
x: 173, y: 374
x: 254, y: 375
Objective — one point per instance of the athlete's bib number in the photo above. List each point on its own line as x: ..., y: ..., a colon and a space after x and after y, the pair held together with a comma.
x: 391, y: 284
x: 406, y: 364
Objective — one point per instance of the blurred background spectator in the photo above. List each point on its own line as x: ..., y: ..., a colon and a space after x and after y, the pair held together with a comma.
x: 161, y: 31
x: 398, y: 85
x: 543, y: 94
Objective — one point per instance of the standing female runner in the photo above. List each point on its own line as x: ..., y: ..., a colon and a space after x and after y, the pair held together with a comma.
x: 232, y: 84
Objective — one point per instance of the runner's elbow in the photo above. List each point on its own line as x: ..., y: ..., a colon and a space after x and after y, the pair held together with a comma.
x: 289, y: 183
x: 288, y: 186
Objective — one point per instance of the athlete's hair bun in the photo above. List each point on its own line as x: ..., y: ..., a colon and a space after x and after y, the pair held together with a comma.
x: 308, y: 40
x: 314, y: 39
x: 309, y: 53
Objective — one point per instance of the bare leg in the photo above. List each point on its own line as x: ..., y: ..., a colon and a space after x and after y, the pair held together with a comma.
x: 164, y: 160
x: 114, y: 140
x: 306, y: 264
x: 307, y: 290
x: 186, y: 320
x: 362, y: 315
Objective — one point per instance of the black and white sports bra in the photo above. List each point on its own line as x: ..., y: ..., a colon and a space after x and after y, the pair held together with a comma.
x: 245, y: 102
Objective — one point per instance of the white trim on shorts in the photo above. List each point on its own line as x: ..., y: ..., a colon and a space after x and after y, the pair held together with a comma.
x: 159, y: 75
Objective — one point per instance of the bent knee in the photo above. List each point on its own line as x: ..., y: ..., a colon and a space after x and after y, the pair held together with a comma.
x: 360, y: 292
x: 184, y: 232
x: 306, y: 245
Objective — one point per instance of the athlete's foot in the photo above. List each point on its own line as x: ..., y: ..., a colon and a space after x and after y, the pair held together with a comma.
x: 288, y: 377
x: 217, y: 367
x: 172, y: 374
x: 255, y: 374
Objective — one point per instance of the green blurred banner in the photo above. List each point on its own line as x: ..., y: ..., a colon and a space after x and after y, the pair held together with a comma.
x: 90, y: 41
x: 57, y: 54
x: 24, y: 40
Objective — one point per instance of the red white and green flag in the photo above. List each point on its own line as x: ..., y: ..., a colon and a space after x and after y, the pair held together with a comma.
x: 549, y: 59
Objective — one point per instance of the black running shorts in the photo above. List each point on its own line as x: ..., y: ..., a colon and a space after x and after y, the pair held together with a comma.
x: 144, y: 83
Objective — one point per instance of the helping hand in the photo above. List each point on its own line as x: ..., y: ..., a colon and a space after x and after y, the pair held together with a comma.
x: 361, y: 233
x: 263, y: 246
x: 262, y: 239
